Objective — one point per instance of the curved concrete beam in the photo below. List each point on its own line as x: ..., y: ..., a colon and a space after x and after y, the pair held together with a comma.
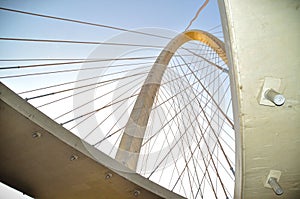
x: 131, y: 142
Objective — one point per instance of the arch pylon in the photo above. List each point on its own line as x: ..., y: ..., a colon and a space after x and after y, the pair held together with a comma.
x: 131, y: 141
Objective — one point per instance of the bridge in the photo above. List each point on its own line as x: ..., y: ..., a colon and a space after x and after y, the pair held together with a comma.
x: 246, y: 88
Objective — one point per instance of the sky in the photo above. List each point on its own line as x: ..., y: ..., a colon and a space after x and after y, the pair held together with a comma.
x: 131, y: 14
x: 174, y: 15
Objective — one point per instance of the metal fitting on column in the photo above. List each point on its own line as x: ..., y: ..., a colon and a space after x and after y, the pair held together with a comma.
x: 275, y: 186
x: 275, y: 97
x: 272, y: 182
x: 136, y: 192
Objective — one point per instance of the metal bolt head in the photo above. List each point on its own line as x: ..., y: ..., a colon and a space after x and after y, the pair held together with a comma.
x: 136, y: 193
x: 36, y: 135
x: 275, y: 186
x: 275, y: 97
x: 279, y: 100
x: 108, y: 176
x: 73, y: 157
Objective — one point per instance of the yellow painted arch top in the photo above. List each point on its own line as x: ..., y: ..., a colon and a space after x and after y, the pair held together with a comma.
x: 217, y: 45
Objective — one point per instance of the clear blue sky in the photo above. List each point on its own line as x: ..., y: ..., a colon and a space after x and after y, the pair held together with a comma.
x: 172, y: 14
x: 130, y: 14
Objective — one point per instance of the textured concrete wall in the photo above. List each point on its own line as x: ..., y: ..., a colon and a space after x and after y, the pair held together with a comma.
x: 263, y: 44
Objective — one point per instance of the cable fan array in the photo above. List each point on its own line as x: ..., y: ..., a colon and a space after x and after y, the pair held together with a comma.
x: 188, y: 146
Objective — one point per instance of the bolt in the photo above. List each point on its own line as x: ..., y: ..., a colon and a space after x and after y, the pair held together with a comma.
x: 73, y: 157
x: 275, y: 97
x: 108, y: 176
x: 275, y: 186
x: 136, y: 193
x: 36, y: 135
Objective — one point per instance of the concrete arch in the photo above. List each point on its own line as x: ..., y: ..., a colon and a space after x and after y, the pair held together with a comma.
x: 131, y: 142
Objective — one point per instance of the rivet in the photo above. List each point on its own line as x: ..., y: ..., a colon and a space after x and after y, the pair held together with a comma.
x: 36, y: 135
x: 108, y: 176
x: 136, y: 192
x: 73, y: 157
